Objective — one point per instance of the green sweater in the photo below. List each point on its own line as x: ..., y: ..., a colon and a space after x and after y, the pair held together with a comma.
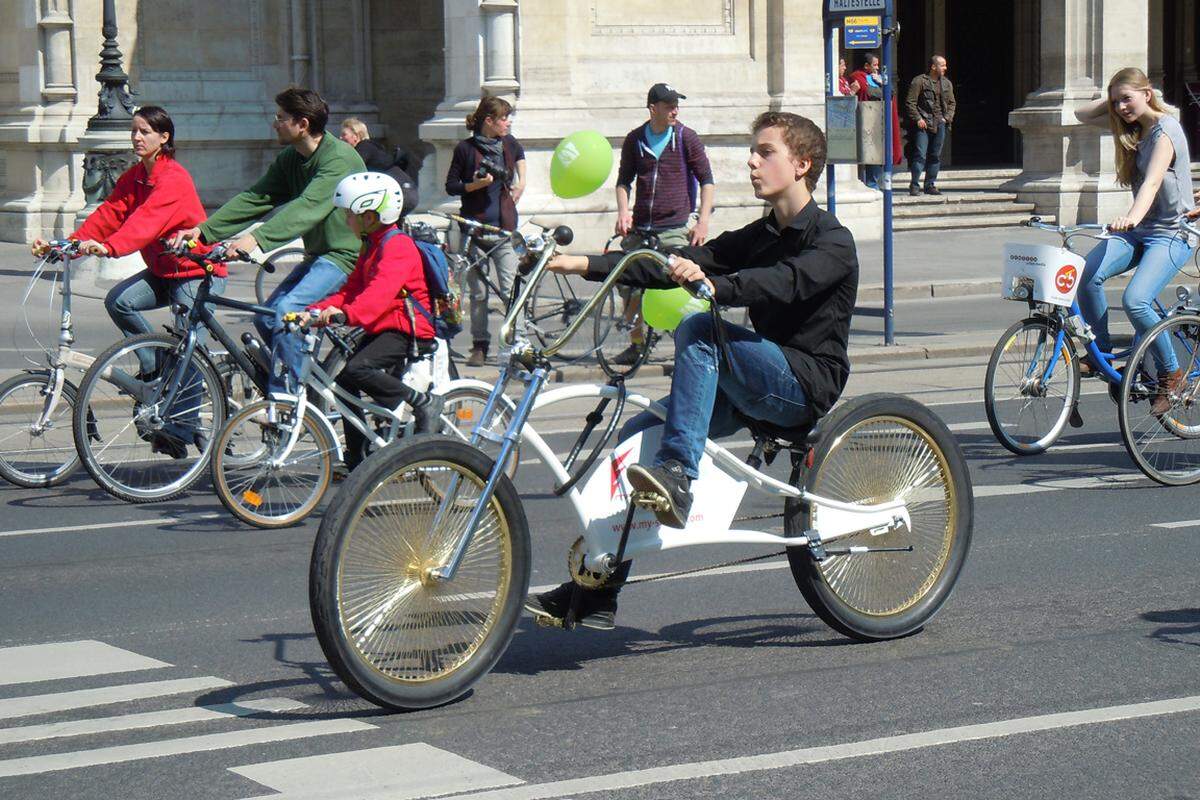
x: 306, y: 186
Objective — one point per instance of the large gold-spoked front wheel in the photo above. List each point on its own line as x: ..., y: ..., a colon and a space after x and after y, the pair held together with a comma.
x: 874, y: 449
x: 394, y: 632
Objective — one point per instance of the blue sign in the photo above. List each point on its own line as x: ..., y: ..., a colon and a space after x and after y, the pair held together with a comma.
x: 862, y: 33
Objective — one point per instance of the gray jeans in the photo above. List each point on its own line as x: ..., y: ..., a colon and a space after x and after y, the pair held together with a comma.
x: 503, y: 261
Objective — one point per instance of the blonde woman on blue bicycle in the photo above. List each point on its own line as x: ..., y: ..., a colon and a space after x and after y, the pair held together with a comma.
x: 1152, y: 159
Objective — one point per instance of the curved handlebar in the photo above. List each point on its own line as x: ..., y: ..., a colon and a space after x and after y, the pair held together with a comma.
x: 474, y: 225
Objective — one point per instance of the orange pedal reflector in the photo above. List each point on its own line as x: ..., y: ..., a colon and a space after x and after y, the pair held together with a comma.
x: 252, y: 498
x: 464, y: 413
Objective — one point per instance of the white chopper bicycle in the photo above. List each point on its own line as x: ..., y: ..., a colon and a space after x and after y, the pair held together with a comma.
x: 422, y: 562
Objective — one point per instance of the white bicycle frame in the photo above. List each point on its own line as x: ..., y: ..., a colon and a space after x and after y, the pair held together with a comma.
x: 65, y: 356
x: 723, y: 478
x: 348, y: 406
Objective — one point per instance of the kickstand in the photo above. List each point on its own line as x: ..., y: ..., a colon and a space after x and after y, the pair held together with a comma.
x: 1075, y: 420
x: 571, y: 619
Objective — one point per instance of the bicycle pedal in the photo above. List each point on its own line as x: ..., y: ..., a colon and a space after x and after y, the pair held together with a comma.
x: 548, y: 622
x: 651, y: 500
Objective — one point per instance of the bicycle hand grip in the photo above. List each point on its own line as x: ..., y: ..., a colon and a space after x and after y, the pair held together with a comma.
x: 338, y: 319
x: 267, y: 267
x: 700, y: 289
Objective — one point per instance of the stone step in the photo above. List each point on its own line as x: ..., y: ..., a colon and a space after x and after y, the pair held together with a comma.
x: 994, y: 220
x: 963, y: 184
x: 901, y: 197
x: 962, y: 209
x: 979, y: 173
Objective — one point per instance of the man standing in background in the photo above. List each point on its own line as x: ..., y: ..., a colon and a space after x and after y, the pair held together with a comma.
x: 930, y: 108
x: 668, y: 162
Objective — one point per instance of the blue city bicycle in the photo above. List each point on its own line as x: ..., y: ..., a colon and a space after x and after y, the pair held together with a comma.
x: 1032, y: 386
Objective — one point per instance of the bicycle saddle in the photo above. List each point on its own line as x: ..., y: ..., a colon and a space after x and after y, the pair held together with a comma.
x: 802, y: 436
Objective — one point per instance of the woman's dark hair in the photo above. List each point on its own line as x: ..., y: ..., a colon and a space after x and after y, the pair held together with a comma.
x: 303, y: 103
x: 495, y: 107
x: 160, y: 122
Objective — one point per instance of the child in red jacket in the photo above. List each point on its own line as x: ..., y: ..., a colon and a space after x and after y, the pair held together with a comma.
x: 388, y: 277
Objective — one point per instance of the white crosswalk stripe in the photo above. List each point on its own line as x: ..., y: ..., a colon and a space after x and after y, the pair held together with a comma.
x: 147, y: 716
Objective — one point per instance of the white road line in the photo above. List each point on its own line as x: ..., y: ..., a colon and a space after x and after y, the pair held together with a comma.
x: 815, y: 755
x: 35, y: 765
x: 967, y: 426
x: 137, y: 523
x: 1183, y: 523
x: 403, y: 772
x: 150, y: 719
x: 49, y: 662
x: 1061, y: 484
x: 33, y: 705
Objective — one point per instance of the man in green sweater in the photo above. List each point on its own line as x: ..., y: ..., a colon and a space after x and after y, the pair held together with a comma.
x: 302, y: 180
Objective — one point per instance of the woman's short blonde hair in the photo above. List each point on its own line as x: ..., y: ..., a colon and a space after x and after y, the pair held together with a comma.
x: 357, y: 127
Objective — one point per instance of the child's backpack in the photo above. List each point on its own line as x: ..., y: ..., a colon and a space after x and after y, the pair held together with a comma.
x: 446, y: 316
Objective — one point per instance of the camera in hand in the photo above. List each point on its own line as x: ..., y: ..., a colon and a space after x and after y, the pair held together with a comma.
x: 495, y: 168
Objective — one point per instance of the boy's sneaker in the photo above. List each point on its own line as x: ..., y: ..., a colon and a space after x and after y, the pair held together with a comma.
x: 426, y: 413
x: 669, y: 482
x: 597, y: 607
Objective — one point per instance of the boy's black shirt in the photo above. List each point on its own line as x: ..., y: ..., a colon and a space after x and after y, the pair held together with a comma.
x: 799, y: 284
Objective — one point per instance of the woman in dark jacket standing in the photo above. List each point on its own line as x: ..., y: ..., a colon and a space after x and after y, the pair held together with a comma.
x: 487, y: 171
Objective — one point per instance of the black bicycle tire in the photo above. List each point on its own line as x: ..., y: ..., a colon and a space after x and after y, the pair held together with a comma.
x: 989, y: 401
x: 67, y: 468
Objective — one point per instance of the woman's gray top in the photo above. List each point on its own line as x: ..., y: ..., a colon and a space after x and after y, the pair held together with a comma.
x: 1175, y: 195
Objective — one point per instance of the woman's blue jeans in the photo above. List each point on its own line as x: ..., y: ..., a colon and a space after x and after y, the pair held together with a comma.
x: 706, y: 393
x: 1157, y: 257
x: 144, y: 291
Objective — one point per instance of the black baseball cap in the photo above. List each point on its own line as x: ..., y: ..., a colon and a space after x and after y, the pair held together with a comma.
x: 663, y: 93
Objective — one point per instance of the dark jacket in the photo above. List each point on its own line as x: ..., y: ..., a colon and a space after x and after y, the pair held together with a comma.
x: 463, y: 163
x: 922, y: 101
x: 799, y: 284
x: 663, y: 196
x: 395, y: 163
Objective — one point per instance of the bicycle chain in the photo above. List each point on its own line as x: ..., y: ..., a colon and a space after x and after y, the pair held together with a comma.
x: 694, y: 570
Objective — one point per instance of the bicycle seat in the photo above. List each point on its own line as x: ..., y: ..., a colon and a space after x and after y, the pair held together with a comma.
x: 798, y: 437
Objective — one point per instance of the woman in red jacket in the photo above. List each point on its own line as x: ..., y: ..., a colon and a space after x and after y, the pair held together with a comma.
x: 151, y: 200
x: 381, y: 296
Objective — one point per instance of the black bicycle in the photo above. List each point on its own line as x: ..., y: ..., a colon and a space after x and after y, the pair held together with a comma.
x: 153, y: 403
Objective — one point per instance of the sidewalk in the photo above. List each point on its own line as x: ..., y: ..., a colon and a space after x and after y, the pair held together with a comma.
x: 929, y: 265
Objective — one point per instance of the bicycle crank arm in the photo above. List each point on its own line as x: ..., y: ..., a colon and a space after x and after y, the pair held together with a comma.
x: 861, y: 550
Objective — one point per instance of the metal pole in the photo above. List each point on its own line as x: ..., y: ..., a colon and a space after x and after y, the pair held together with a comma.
x: 889, y: 98
x: 116, y: 106
x: 830, y: 90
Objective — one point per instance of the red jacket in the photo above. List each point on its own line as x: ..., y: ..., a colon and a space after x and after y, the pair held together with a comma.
x: 372, y: 296
x: 141, y: 210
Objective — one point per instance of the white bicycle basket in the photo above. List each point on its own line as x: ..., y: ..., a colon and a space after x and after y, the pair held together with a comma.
x: 1041, y: 272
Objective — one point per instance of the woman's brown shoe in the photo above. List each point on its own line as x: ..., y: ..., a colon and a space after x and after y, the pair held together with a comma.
x: 1169, y: 383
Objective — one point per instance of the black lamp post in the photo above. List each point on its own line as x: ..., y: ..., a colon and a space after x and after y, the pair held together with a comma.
x: 102, y: 167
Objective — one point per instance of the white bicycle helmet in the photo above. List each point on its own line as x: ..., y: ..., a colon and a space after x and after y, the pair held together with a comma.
x: 370, y: 191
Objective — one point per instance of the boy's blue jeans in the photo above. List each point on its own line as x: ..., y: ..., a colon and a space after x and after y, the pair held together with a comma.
x: 706, y: 393
x: 311, y: 280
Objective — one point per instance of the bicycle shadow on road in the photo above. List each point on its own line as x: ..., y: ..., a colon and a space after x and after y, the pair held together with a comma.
x: 536, y: 649
x: 1178, y: 623
x: 322, y: 692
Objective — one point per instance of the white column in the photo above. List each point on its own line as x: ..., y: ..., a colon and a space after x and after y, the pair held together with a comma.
x: 58, y: 80
x: 499, y: 47
x: 1067, y: 167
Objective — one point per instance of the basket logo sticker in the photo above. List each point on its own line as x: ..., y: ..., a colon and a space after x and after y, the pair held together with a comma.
x: 618, y: 467
x: 1064, y: 279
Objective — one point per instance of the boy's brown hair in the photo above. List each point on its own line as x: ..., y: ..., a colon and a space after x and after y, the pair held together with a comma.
x: 802, y: 137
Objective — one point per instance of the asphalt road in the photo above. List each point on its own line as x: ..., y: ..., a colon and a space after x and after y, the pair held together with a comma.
x: 165, y: 651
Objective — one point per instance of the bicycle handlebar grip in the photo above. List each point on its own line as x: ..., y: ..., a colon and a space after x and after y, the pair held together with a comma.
x: 338, y: 319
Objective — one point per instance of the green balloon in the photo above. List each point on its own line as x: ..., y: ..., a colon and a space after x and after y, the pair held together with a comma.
x: 664, y: 309
x: 580, y: 164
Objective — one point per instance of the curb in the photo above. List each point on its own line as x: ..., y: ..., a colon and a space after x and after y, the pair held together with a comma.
x: 859, y: 354
x: 922, y: 290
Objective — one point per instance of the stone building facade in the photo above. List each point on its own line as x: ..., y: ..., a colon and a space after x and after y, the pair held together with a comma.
x: 412, y: 69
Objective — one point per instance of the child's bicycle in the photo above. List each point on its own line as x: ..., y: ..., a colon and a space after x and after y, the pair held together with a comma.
x: 273, y: 460
x: 422, y: 561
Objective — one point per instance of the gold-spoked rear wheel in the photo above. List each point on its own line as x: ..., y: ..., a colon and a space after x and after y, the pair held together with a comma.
x: 872, y: 450
x: 396, y: 633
